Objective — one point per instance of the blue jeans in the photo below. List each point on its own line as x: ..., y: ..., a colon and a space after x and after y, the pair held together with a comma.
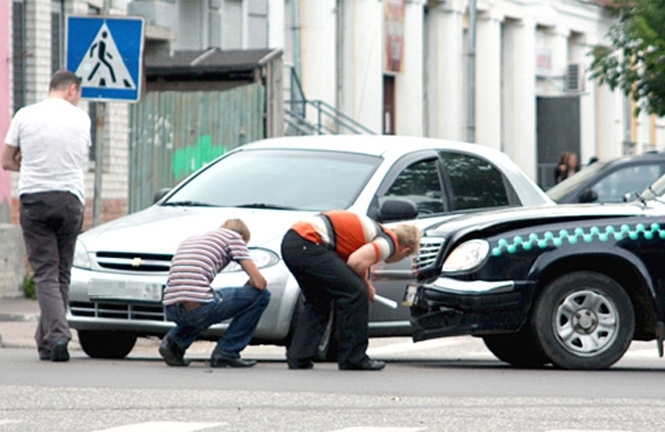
x: 244, y: 305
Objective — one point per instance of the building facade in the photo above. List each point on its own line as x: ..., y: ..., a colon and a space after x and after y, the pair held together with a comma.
x: 510, y: 74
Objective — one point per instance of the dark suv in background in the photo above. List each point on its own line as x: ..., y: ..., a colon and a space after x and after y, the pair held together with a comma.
x: 609, y: 182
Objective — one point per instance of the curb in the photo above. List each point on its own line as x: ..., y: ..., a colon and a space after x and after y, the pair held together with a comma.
x: 14, y: 317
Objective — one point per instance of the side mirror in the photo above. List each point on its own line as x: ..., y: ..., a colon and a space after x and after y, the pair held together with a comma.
x: 160, y: 194
x: 394, y: 209
x: 588, y: 196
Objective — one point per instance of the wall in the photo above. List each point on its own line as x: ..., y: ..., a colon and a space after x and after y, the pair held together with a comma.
x: 12, y: 261
x: 5, y: 105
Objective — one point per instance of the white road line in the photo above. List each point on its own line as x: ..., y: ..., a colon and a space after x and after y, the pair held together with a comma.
x: 163, y: 427
x: 6, y: 422
x: 586, y: 430
x: 378, y: 429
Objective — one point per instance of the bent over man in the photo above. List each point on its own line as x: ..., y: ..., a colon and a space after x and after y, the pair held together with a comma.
x: 194, y: 306
x: 330, y: 256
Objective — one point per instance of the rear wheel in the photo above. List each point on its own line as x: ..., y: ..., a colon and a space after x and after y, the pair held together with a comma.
x: 106, y: 344
x: 518, y: 349
x: 326, y: 349
x: 584, y: 320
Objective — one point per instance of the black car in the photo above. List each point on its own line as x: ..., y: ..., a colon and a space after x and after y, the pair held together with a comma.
x: 570, y: 285
x: 610, y: 182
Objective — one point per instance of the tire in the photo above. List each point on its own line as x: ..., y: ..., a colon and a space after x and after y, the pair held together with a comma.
x: 517, y: 349
x: 584, y: 320
x: 326, y: 350
x: 106, y: 344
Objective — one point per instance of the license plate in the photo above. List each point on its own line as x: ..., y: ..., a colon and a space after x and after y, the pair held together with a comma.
x: 409, y: 294
x: 124, y: 290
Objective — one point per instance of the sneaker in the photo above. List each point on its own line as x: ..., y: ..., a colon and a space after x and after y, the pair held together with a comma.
x: 171, y: 352
x: 59, y: 352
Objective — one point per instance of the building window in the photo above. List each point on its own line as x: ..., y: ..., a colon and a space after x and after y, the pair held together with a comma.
x: 57, y: 35
x: 19, y: 54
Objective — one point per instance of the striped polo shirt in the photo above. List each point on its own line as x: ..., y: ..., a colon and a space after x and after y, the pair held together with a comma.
x: 196, y: 263
x: 345, y: 232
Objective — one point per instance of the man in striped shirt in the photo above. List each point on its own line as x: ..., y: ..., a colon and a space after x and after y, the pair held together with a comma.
x: 194, y: 305
x: 330, y: 256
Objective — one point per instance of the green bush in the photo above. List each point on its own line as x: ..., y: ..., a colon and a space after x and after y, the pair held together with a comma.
x: 29, y: 289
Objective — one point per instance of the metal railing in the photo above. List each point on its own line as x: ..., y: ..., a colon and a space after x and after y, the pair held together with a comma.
x: 327, y: 119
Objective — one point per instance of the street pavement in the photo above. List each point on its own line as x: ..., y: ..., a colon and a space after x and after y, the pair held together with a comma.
x: 18, y: 321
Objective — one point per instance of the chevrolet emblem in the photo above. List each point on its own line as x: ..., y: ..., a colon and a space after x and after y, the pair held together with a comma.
x: 136, y: 262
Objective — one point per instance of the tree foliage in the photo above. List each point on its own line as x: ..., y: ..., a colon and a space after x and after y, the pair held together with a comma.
x: 635, y: 59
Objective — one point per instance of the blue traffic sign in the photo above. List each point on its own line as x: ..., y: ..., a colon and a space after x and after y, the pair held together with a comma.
x: 107, y: 54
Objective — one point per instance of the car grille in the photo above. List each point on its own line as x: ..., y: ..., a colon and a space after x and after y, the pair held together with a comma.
x: 134, y: 262
x: 427, y: 252
x: 121, y: 311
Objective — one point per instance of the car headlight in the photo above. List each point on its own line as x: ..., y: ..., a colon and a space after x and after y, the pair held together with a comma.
x: 467, y: 256
x: 81, y: 259
x: 262, y: 257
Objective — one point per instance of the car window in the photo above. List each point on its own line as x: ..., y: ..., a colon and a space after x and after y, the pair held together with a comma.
x: 635, y: 178
x: 287, y: 179
x: 420, y: 183
x: 475, y: 182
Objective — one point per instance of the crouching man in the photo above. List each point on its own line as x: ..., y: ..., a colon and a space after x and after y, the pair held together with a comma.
x: 194, y: 306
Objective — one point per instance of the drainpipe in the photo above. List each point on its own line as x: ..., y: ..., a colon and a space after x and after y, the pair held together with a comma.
x: 296, y: 39
x: 471, y: 74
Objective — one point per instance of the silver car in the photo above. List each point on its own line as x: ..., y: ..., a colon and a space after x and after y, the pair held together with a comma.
x: 120, y: 267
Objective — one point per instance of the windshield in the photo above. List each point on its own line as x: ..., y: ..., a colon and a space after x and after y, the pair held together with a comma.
x: 572, y: 183
x: 654, y: 190
x: 307, y: 180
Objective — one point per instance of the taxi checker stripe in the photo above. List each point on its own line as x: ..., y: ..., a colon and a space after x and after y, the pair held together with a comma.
x: 594, y: 233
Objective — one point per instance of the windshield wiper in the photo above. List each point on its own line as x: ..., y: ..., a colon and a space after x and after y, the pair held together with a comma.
x: 266, y: 206
x: 187, y: 204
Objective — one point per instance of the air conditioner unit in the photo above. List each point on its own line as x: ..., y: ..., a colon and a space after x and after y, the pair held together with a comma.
x: 574, y: 81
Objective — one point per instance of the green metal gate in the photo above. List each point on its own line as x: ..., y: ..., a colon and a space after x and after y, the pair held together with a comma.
x: 172, y: 134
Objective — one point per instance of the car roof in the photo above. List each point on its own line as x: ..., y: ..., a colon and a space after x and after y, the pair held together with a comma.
x: 376, y: 145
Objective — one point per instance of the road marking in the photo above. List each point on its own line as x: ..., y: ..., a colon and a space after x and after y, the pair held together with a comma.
x: 586, y: 430
x: 6, y: 422
x: 379, y: 429
x: 162, y: 427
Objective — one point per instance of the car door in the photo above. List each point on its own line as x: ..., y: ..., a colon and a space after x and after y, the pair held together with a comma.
x: 442, y: 185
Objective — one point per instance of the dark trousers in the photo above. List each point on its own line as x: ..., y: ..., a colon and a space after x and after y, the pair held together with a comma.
x: 51, y: 222
x: 323, y: 277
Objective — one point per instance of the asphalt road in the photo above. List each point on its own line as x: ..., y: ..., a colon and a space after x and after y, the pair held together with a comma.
x: 443, y: 385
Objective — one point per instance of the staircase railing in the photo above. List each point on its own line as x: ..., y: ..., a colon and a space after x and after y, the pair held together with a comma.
x: 328, y: 119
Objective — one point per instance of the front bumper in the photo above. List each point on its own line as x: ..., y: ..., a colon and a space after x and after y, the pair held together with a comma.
x: 451, y: 307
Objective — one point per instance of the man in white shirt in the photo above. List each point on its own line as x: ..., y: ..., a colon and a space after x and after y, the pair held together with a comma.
x: 47, y: 143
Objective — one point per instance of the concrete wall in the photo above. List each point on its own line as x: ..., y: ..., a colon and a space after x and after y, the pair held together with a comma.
x: 12, y: 261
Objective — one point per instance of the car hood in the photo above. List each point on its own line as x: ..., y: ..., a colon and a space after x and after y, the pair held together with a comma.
x: 160, y: 229
x: 539, y: 215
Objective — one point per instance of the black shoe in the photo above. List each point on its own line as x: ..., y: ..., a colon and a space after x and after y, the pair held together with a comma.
x: 171, y: 352
x: 300, y: 363
x: 219, y: 361
x: 59, y: 352
x: 368, y: 365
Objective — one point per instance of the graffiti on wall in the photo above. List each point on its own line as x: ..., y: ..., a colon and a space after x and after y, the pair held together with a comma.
x: 188, y: 159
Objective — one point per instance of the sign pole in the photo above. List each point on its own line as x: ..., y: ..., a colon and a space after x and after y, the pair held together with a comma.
x: 99, y: 149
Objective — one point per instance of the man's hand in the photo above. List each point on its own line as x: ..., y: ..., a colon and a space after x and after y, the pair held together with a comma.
x: 11, y: 158
x: 256, y: 279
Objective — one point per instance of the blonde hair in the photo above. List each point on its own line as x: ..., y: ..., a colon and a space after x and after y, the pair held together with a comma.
x: 409, y: 236
x: 238, y: 226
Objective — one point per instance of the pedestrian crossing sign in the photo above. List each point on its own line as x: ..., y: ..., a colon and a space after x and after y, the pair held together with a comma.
x: 106, y: 53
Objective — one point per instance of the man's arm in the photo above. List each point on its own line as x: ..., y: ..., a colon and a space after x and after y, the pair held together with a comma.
x: 11, y: 158
x: 256, y: 279
x: 360, y: 262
